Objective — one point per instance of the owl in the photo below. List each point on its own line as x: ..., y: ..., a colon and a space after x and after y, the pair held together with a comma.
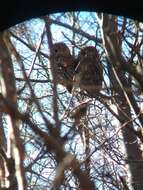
x: 64, y: 64
x: 89, y: 72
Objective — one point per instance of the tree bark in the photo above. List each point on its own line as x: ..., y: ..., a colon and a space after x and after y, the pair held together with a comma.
x: 113, y: 50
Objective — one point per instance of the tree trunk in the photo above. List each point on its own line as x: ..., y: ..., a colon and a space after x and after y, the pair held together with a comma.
x: 119, y: 80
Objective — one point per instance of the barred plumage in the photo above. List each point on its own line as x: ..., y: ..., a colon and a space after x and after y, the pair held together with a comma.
x: 64, y: 64
x: 89, y: 72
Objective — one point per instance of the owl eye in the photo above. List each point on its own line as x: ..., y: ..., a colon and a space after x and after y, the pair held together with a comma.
x: 83, y: 53
x: 56, y: 50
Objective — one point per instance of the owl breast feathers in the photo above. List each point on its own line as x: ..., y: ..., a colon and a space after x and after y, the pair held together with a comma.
x: 64, y: 64
x: 89, y: 73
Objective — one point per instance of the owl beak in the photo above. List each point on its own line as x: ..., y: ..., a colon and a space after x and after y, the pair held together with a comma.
x: 65, y: 64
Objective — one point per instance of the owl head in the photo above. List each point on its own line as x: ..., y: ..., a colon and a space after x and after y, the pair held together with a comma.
x: 60, y: 49
x: 60, y: 54
x: 88, y: 52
